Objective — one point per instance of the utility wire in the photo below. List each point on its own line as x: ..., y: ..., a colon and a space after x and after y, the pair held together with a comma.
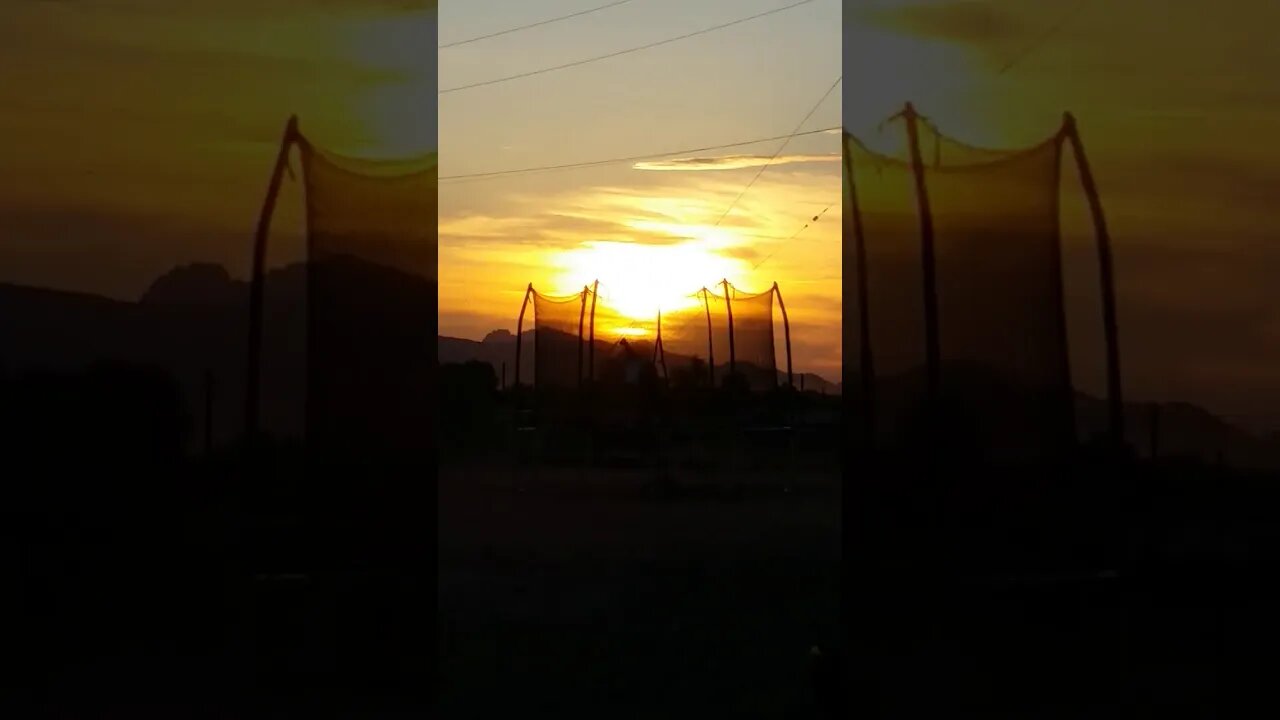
x: 1042, y: 38
x: 633, y: 158
x: 624, y: 52
x: 760, y: 172
x: 781, y: 147
x: 540, y: 23
x: 804, y: 227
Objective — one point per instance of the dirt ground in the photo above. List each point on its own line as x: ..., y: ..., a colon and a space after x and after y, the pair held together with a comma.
x: 578, y: 591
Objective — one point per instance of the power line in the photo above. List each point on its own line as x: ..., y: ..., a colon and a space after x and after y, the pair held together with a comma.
x: 624, y: 52
x: 760, y: 172
x: 633, y: 158
x: 1042, y: 38
x: 781, y: 147
x: 804, y: 227
x: 540, y: 23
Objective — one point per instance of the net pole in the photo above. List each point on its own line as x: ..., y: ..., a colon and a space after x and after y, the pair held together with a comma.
x: 520, y: 333
x: 932, y: 351
x: 253, y: 374
x: 711, y: 348
x: 659, y: 352
x: 866, y: 357
x: 728, y: 307
x: 1115, y: 398
x: 582, y: 312
x: 786, y: 333
x: 1068, y: 391
x: 591, y: 347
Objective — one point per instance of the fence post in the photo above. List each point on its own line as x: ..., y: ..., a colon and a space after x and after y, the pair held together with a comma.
x: 932, y: 350
x: 1115, y: 396
x: 253, y: 374
x: 866, y: 368
x: 728, y: 306
x: 520, y: 334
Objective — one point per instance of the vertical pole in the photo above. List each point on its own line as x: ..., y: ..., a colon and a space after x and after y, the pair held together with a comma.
x: 786, y: 335
x: 582, y: 312
x: 1068, y: 410
x: 659, y: 352
x: 932, y: 351
x: 253, y: 373
x: 589, y: 445
x: 866, y: 357
x: 520, y: 334
x: 728, y: 307
x: 711, y: 346
x: 504, y: 375
x: 1115, y: 397
x: 591, y: 348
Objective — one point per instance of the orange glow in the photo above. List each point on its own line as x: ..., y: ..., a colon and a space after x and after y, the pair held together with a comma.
x: 652, y: 249
x: 637, y: 280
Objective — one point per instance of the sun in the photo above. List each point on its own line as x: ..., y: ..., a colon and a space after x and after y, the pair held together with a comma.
x: 637, y: 280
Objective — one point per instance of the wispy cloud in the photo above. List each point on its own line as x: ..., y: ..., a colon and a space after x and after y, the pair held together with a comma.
x: 730, y: 162
x: 979, y: 22
x: 483, y: 227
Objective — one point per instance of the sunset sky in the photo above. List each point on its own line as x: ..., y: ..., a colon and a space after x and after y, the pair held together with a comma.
x: 139, y: 134
x: 647, y: 231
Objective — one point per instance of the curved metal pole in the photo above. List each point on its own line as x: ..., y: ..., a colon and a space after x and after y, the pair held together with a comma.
x: 933, y: 354
x: 591, y: 348
x: 659, y: 352
x: 582, y: 312
x: 1060, y: 294
x: 866, y: 356
x: 520, y: 332
x: 728, y: 307
x: 786, y: 332
x: 253, y: 373
x: 711, y: 346
x: 1115, y: 396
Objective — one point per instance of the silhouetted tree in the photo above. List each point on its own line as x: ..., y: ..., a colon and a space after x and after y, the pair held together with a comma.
x: 112, y: 419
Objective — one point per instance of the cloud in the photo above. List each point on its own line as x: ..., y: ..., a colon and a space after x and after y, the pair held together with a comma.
x: 978, y: 22
x: 568, y: 227
x: 730, y: 162
x: 481, y: 226
x: 743, y: 252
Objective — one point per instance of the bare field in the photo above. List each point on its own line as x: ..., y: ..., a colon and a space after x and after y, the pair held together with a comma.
x: 579, y: 591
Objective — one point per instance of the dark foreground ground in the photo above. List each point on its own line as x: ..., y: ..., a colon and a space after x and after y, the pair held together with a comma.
x: 597, y: 596
x: 1146, y: 592
x: 593, y: 594
x: 1133, y: 590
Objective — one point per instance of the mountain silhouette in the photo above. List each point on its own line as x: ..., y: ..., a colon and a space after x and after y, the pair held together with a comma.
x: 193, y: 319
x: 195, y: 285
